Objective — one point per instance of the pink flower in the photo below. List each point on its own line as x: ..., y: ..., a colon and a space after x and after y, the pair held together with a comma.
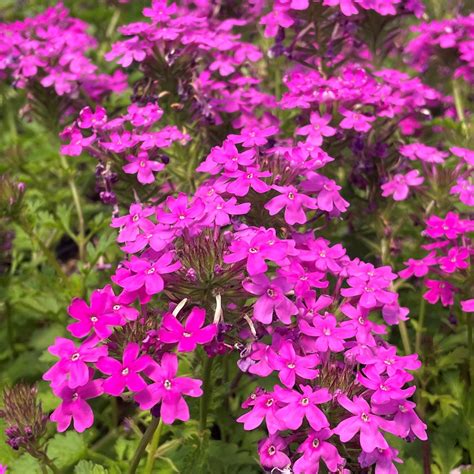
x: 356, y: 121
x: 450, y: 227
x: 74, y: 407
x: 347, y: 6
x: 302, y: 405
x: 277, y: 17
x: 290, y: 365
x: 97, y: 317
x: 169, y: 390
x: 317, y: 129
x: 263, y: 246
x: 363, y: 422
x: 244, y: 180
x: 220, y: 210
x: 89, y: 119
x: 143, y: 167
x: 314, y: 448
x: 271, y: 298
x: 131, y: 224
x: 325, y: 258
x: 465, y: 153
x: 468, y: 306
x: 264, y: 407
x: 382, y: 458
x: 72, y: 369
x: 326, y: 333
x: 119, y: 142
x: 189, y: 335
x: 328, y: 198
x: 465, y: 190
x: 423, y: 152
x: 399, y: 185
x: 456, y: 259
x: 253, y: 136
x: 439, y: 290
x: 182, y: 213
x: 293, y: 202
x: 372, y: 292
x: 419, y: 268
x: 124, y: 374
x: 76, y: 141
x: 148, y: 274
x: 271, y: 452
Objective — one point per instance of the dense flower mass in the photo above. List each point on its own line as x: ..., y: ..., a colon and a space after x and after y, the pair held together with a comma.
x: 236, y: 206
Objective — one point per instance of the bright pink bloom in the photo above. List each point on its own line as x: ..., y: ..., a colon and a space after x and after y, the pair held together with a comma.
x: 143, y: 167
x: 271, y: 452
x: 169, y: 390
x: 74, y: 407
x: 89, y: 119
x: 372, y: 292
x: 364, y: 422
x: 400, y: 184
x: 148, y: 274
x: 468, y: 306
x: 419, y: 268
x: 302, y: 405
x: 293, y: 202
x: 189, y: 335
x: 456, y: 259
x: 355, y: 120
x: 423, y: 152
x: 72, y: 369
x: 97, y: 317
x: 131, y: 223
x: 253, y: 136
x: 271, y: 299
x: 244, y: 180
x: 124, y: 374
x: 221, y: 210
x: 182, y: 213
x: 317, y: 129
x: 439, y: 290
x: 264, y: 407
x: 328, y: 198
x: 450, y: 227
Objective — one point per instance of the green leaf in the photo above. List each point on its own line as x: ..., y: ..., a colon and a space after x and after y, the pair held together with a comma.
x: 66, y: 449
x: 88, y: 467
x: 24, y: 464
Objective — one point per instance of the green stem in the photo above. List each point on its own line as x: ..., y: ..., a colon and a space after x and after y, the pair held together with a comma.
x: 420, y: 326
x: 458, y: 103
x: 47, y: 253
x: 81, y: 238
x: 153, y: 447
x: 146, y: 438
x: 404, y: 335
x: 206, y: 396
x: 471, y: 384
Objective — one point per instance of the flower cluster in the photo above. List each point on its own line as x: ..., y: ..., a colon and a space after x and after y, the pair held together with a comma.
x: 445, y: 45
x: 46, y: 55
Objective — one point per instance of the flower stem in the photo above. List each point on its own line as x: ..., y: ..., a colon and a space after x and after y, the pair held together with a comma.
x: 207, y: 389
x: 153, y: 447
x: 146, y: 438
x: 81, y: 237
x: 419, y: 328
x: 405, y: 338
x: 458, y: 103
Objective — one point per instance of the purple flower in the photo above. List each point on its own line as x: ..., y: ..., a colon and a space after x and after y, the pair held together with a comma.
x: 356, y: 121
x: 147, y: 274
x: 253, y: 136
x: 169, y: 390
x: 182, y: 213
x: 271, y: 452
x: 293, y: 202
x: 72, y: 369
x: 317, y: 129
x: 124, y: 374
x: 264, y: 407
x: 302, y: 405
x: 74, y: 407
x: 271, y: 299
x: 244, y: 180
x: 143, y: 167
x: 439, y: 290
x: 189, y: 335
x: 399, y: 185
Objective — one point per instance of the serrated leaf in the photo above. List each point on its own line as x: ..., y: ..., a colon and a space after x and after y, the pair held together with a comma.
x: 88, y: 467
x: 66, y: 449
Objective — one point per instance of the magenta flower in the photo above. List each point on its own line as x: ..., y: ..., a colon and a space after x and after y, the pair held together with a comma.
x: 457, y: 258
x: 143, y: 167
x: 148, y: 274
x: 317, y: 129
x: 400, y: 184
x: 168, y: 389
x: 314, y: 448
x: 324, y: 257
x: 326, y: 333
x: 189, y: 335
x: 372, y: 292
x: 119, y: 142
x: 264, y: 407
x: 290, y: 365
x: 382, y: 458
x: 363, y: 422
x: 76, y: 141
x: 124, y: 374
x: 328, y: 198
x: 253, y: 136
x: 468, y: 306
x: 89, y: 119
x: 271, y: 299
x: 271, y: 452
x: 131, y: 224
x: 221, y: 210
x: 302, y: 405
x: 72, y: 369
x: 263, y: 246
x: 423, y: 152
x: 97, y: 317
x: 182, y: 213
x: 74, y: 407
x: 450, y: 227
x: 439, y: 290
x: 419, y: 268
x: 355, y: 120
x: 293, y: 202
x: 244, y: 180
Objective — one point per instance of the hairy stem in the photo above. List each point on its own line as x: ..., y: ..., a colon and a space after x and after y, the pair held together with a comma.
x: 153, y: 447
x: 146, y: 438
